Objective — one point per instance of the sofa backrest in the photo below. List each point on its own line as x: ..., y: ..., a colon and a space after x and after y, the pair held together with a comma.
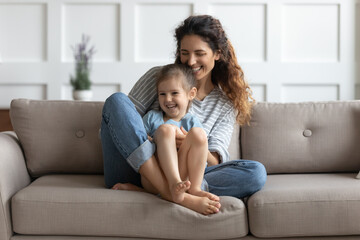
x: 59, y: 136
x: 304, y: 137
x: 63, y: 136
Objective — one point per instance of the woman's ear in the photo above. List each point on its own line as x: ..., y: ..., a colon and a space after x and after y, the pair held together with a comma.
x: 217, y: 55
x: 192, y: 93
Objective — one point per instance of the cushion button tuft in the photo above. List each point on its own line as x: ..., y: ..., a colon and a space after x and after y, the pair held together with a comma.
x: 80, y: 134
x: 307, y: 133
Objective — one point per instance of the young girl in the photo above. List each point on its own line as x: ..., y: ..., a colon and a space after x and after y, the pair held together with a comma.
x: 176, y: 89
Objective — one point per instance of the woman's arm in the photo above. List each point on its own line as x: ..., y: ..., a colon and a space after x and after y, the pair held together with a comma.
x: 143, y: 94
x: 220, y: 136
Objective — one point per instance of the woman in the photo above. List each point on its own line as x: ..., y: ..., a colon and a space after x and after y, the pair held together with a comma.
x: 222, y: 98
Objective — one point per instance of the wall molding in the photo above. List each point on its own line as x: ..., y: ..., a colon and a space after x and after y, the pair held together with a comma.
x: 282, y: 45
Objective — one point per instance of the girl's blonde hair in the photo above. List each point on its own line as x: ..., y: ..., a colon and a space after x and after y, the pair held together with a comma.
x: 177, y: 70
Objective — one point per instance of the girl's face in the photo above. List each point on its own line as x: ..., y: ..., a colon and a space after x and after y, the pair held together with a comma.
x: 173, y: 98
x: 199, y: 56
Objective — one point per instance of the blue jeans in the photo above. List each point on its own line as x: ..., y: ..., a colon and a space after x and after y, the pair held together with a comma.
x: 126, y: 147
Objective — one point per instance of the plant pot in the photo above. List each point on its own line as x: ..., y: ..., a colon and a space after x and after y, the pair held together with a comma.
x: 82, y: 95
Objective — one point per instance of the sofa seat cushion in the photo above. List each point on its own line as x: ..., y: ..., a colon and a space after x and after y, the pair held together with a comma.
x: 81, y: 205
x: 293, y: 205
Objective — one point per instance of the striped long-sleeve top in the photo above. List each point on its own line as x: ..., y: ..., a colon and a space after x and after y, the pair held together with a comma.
x: 215, y: 111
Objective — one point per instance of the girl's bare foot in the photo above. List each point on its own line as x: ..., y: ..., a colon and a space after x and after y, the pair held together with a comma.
x: 128, y: 187
x: 178, y: 191
x: 202, y: 205
x: 201, y: 193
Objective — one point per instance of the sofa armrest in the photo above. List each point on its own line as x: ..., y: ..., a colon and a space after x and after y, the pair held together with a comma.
x: 13, y: 177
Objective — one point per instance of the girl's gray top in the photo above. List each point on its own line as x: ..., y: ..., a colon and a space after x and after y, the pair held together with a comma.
x: 215, y: 112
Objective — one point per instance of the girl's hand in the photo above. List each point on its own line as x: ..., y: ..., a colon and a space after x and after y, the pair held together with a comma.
x: 150, y: 138
x: 180, y: 136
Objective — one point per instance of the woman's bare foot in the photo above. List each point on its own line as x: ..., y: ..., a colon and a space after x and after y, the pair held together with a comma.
x: 201, y: 205
x: 128, y: 187
x: 201, y: 193
x: 178, y: 191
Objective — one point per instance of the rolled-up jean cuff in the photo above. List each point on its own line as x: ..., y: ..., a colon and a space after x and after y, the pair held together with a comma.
x: 141, y: 155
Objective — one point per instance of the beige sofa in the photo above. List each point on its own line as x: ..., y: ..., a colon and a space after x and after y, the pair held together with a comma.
x: 51, y: 183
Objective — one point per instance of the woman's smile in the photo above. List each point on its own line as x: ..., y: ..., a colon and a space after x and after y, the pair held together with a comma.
x: 198, y: 55
x: 196, y: 70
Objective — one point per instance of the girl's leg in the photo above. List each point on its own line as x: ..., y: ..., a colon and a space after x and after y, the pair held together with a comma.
x: 192, y: 161
x: 168, y: 160
x: 237, y: 178
x: 202, y: 205
x: 126, y: 149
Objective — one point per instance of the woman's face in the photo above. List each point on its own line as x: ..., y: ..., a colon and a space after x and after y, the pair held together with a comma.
x: 198, y: 55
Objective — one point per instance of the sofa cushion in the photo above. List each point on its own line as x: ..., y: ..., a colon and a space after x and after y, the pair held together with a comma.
x: 304, y: 137
x: 293, y: 205
x: 81, y: 205
x: 234, y: 146
x: 59, y: 136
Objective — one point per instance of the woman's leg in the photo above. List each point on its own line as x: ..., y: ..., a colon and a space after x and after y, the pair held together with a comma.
x: 168, y: 159
x: 124, y: 141
x: 116, y: 169
x: 237, y: 178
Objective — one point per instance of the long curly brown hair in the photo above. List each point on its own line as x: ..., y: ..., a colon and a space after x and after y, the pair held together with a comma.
x: 226, y: 74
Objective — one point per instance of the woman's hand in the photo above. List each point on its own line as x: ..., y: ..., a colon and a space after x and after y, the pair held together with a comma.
x: 213, y: 159
x: 180, y: 136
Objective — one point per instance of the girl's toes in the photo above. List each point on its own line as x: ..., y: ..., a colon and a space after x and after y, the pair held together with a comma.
x: 179, y: 187
x: 212, y: 209
x: 216, y: 204
x: 215, y: 198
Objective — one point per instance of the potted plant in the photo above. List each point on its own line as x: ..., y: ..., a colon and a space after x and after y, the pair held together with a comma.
x: 81, y: 81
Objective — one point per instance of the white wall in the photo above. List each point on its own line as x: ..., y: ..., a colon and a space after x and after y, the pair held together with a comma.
x: 290, y: 50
